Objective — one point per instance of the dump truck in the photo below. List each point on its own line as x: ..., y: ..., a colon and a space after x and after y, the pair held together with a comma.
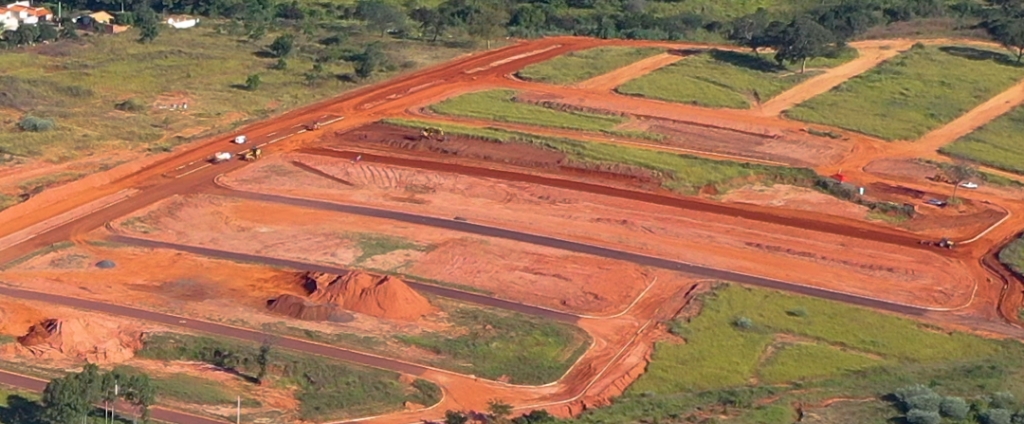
x: 252, y: 154
x: 220, y: 157
x: 432, y: 133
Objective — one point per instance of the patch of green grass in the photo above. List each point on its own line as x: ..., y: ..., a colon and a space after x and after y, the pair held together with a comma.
x: 913, y: 93
x: 796, y: 362
x: 887, y: 218
x: 56, y: 247
x: 997, y: 144
x: 686, y: 381
x: 189, y: 389
x: 371, y: 245
x: 582, y: 65
x: 491, y: 344
x: 47, y: 181
x: 1012, y: 256
x: 326, y: 389
x: 78, y: 84
x: 7, y: 201
x: 682, y: 173
x: 348, y: 340
x: 722, y: 79
x: 500, y: 105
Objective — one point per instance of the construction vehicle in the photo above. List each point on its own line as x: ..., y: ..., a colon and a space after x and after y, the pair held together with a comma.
x: 314, y: 127
x: 944, y: 243
x: 940, y: 178
x: 220, y: 157
x: 252, y: 154
x: 432, y: 133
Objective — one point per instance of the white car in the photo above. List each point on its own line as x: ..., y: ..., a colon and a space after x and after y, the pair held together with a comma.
x: 968, y: 184
x: 240, y: 139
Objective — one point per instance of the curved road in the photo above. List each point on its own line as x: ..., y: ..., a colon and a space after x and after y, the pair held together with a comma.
x: 604, y: 252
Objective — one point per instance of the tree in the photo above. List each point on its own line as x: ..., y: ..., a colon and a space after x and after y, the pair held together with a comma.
x: 263, y: 360
x: 149, y: 25
x: 282, y: 45
x: 47, y: 33
x: 488, y: 22
x: 958, y: 173
x: 917, y: 416
x: 536, y: 416
x: 257, y: 32
x: 1008, y: 31
x: 380, y: 15
x: 747, y: 30
x: 499, y: 410
x: 370, y: 60
x: 251, y: 83
x: 455, y: 417
x: 139, y: 391
x: 997, y: 416
x: 955, y: 408
x: 802, y: 39
x: 63, y: 401
x: 280, y: 65
x: 432, y: 21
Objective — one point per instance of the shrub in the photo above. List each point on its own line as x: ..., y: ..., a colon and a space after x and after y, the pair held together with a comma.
x: 928, y: 402
x: 1003, y: 400
x: 743, y: 323
x: 280, y: 65
x: 955, y: 408
x: 917, y: 416
x: 904, y: 394
x: 797, y: 312
x: 997, y: 416
x: 35, y: 124
x: 130, y: 105
x: 253, y: 82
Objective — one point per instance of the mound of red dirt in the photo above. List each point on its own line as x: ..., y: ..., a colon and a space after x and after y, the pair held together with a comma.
x: 96, y: 342
x: 298, y: 307
x: 382, y: 297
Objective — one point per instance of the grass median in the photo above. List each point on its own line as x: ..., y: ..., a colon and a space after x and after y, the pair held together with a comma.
x: 325, y: 389
x: 756, y: 352
x: 574, y: 67
x: 911, y: 94
x: 724, y: 79
x: 683, y: 173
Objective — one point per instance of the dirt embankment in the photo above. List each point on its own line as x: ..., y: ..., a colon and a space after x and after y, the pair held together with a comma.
x: 378, y: 296
x: 81, y: 339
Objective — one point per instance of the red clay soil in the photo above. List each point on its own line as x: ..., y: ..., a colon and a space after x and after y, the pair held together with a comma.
x: 41, y: 333
x: 299, y: 308
x: 383, y: 297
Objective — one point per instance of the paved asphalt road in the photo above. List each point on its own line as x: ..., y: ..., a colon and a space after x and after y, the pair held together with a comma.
x: 303, y: 266
x: 645, y: 260
x: 158, y: 414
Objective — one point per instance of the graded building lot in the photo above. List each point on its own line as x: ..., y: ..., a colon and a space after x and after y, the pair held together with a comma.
x: 913, y: 93
x: 846, y: 265
x: 238, y: 294
x: 582, y: 65
x: 720, y: 78
x: 997, y: 144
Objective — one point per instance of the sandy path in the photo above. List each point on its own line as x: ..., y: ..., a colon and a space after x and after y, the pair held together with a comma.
x: 636, y: 70
x: 871, y: 54
x: 974, y: 119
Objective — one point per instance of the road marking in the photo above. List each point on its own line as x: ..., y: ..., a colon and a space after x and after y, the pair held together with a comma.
x: 333, y: 121
x: 195, y: 170
x: 275, y: 132
x: 511, y: 59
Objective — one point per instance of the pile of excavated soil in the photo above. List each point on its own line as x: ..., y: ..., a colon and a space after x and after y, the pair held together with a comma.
x: 382, y: 297
x: 94, y: 342
x: 298, y: 307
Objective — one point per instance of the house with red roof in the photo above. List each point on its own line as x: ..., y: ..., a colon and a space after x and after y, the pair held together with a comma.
x: 22, y: 13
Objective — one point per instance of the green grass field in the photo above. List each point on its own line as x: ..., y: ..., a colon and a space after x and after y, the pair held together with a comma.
x: 325, y: 389
x: 574, y: 67
x: 493, y: 344
x: 997, y: 144
x: 913, y: 93
x: 724, y: 79
x: 725, y: 362
x: 78, y: 85
x: 499, y: 105
x: 189, y: 389
x: 1013, y: 256
x: 686, y: 174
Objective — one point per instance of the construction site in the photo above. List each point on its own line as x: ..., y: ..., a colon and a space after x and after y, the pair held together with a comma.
x: 377, y: 230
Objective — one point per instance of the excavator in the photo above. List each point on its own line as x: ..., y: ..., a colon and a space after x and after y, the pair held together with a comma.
x: 314, y: 127
x: 432, y: 133
x: 252, y: 155
x: 944, y: 243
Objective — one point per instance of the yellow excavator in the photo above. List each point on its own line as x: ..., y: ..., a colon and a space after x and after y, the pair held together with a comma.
x: 252, y: 155
x: 432, y: 133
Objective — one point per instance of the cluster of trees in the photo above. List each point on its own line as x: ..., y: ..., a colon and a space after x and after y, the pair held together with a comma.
x: 498, y: 412
x: 32, y: 34
x: 922, y: 405
x: 1006, y: 25
x: 73, y: 397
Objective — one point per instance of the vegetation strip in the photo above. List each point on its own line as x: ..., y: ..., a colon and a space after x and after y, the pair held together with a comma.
x: 578, y: 66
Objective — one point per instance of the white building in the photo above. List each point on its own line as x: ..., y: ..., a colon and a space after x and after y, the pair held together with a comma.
x: 22, y: 13
x: 182, y: 22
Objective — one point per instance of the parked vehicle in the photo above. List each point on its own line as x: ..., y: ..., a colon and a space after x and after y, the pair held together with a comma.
x: 968, y: 184
x: 240, y: 139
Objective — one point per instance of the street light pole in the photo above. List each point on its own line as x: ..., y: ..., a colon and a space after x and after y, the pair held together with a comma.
x: 238, y: 414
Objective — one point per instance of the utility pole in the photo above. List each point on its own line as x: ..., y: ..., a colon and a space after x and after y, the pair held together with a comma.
x: 238, y: 414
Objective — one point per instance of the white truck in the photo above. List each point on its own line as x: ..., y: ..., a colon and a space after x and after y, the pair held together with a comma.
x: 240, y: 139
x: 221, y: 157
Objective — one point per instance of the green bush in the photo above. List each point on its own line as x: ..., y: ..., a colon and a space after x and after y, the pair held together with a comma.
x: 130, y: 105
x: 955, y: 408
x: 997, y: 416
x: 917, y: 416
x: 35, y: 124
